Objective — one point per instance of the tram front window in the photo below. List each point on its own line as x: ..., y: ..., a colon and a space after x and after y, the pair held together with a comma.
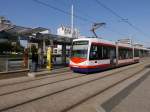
x: 80, y: 49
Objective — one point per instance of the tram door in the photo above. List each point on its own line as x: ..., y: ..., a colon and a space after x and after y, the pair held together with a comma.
x: 112, y: 56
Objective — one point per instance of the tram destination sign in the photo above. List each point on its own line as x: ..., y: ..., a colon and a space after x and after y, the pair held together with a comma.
x: 80, y: 43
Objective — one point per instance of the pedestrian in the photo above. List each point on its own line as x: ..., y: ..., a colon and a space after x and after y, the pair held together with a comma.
x: 34, y: 58
x: 40, y: 57
x: 25, y: 58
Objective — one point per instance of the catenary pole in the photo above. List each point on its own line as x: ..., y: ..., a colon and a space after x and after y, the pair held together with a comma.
x: 72, y: 20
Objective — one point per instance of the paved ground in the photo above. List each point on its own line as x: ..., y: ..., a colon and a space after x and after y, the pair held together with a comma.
x: 62, y: 95
x: 62, y: 92
x: 138, y: 100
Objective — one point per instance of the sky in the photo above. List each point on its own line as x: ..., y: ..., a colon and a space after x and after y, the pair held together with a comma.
x: 29, y: 13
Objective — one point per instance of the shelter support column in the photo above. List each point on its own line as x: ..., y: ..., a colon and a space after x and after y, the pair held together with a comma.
x: 63, y: 54
x: 117, y: 53
x: 44, y: 46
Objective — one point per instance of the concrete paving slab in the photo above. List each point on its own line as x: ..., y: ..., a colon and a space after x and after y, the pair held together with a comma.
x: 138, y: 100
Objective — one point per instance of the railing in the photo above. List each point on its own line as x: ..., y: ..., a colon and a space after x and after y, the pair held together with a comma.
x: 11, y: 64
x: 14, y: 64
x: 3, y: 65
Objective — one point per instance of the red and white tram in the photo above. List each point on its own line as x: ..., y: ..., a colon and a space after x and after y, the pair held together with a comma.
x: 94, y: 54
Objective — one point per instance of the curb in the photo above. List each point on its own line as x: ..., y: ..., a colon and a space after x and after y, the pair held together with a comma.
x: 35, y: 74
x: 16, y: 71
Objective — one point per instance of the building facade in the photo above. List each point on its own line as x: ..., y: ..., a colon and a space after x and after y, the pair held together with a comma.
x: 66, y: 32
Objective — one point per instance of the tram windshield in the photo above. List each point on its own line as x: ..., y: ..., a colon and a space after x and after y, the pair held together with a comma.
x: 80, y: 49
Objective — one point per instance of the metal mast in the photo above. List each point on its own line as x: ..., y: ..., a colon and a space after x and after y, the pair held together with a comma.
x: 95, y: 26
x: 72, y: 20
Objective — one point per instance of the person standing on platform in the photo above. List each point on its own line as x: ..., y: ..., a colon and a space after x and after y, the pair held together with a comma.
x: 40, y: 57
x: 34, y: 58
x: 25, y: 58
x: 49, y: 58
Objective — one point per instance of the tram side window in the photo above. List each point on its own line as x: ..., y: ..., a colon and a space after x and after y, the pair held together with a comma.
x: 109, y: 52
x: 95, y: 52
x: 136, y: 53
x: 105, y: 52
x: 121, y: 53
x: 125, y: 53
x: 130, y: 54
x: 113, y: 52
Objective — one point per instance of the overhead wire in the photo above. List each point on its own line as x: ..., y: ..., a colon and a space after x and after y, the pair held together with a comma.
x: 120, y: 17
x: 68, y: 13
x: 62, y: 11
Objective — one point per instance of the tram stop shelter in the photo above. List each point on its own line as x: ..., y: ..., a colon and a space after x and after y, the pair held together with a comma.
x: 34, y: 35
x: 52, y: 40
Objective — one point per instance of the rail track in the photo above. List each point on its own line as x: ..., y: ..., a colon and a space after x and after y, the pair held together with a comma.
x: 60, y: 88
x: 34, y: 83
x: 27, y: 79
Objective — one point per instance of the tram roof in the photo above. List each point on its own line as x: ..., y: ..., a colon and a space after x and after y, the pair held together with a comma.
x: 125, y: 45
x: 145, y: 49
x: 142, y: 48
x: 96, y: 40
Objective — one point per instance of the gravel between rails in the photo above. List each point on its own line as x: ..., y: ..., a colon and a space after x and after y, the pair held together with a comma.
x: 73, y: 96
